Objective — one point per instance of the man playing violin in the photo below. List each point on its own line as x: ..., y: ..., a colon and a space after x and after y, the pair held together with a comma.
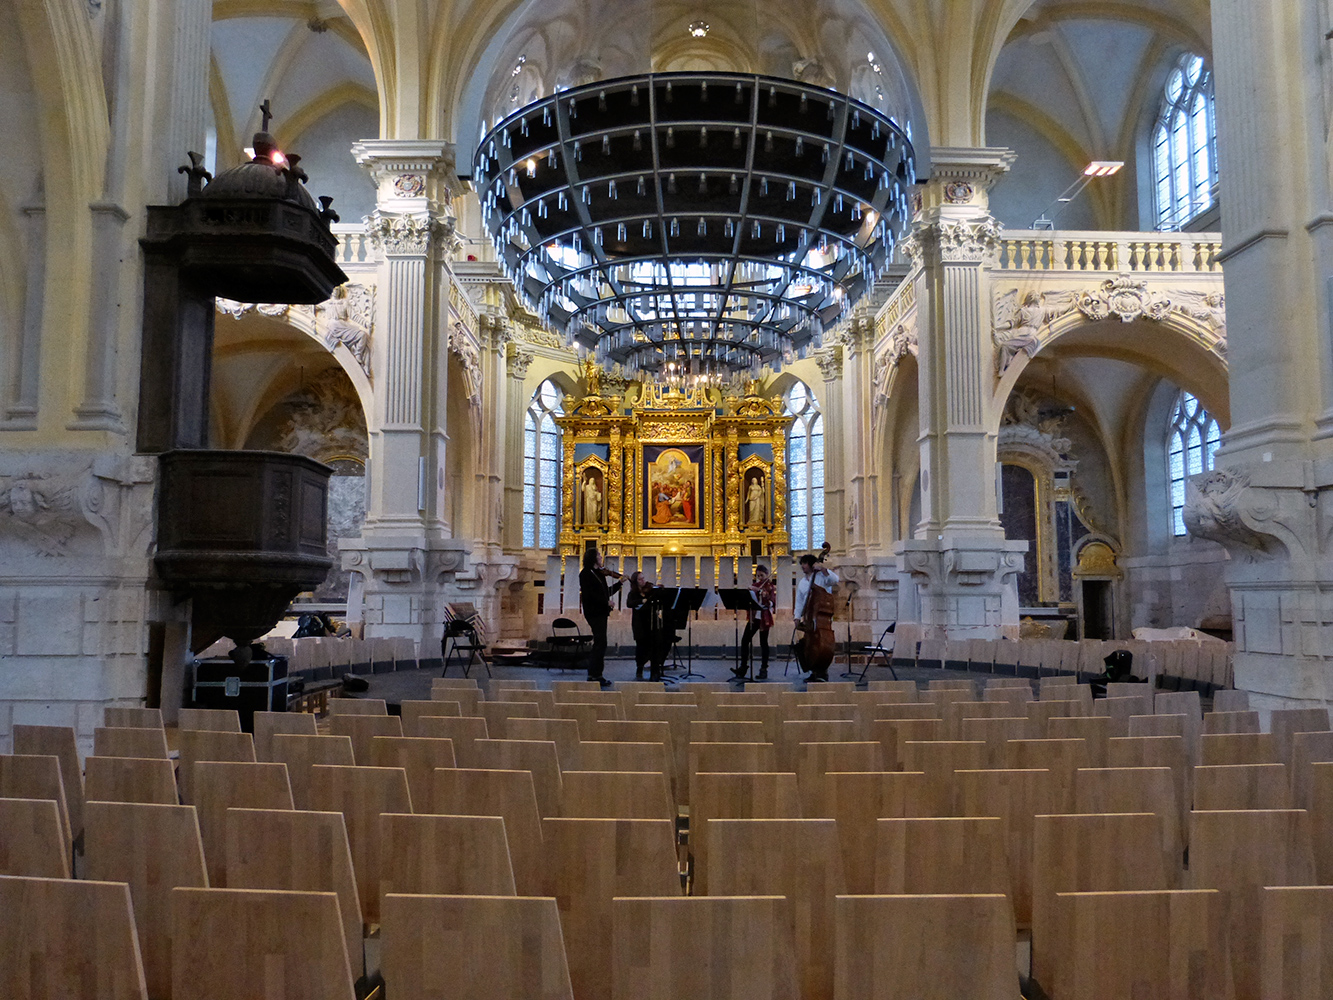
x: 595, y: 596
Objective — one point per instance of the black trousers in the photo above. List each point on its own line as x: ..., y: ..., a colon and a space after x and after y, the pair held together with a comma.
x: 597, y: 655
x: 747, y: 638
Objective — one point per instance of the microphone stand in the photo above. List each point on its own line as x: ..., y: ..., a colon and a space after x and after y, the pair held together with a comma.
x: 851, y: 594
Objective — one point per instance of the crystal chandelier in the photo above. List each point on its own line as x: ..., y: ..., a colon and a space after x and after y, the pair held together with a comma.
x: 713, y: 222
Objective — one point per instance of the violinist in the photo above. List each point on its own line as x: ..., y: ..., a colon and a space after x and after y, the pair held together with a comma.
x: 760, y: 621
x: 641, y: 619
x: 595, y: 596
x: 814, y: 575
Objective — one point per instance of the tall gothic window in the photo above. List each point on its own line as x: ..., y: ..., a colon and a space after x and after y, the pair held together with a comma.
x: 1185, y: 145
x: 541, y: 468
x: 1192, y: 441
x: 805, y: 469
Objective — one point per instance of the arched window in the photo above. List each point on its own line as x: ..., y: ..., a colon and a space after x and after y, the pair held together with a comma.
x: 1185, y: 145
x: 1192, y: 441
x: 541, y: 468
x: 805, y: 469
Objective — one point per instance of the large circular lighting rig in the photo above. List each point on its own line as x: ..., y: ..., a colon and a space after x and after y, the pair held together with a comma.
x: 716, y: 221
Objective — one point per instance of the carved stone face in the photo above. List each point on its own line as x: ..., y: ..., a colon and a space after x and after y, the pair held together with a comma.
x: 22, y: 501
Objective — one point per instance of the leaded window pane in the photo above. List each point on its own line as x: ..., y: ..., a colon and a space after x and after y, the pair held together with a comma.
x: 529, y: 497
x: 1184, y: 158
x: 547, y: 540
x: 529, y: 531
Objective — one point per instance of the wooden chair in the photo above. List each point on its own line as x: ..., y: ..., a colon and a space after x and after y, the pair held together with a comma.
x: 154, y: 849
x: 269, y: 724
x: 116, y: 717
x: 796, y: 732
x: 633, y: 731
x: 564, y: 733
x: 769, y: 716
x: 1136, y: 790
x: 221, y: 785
x: 678, y: 719
x: 1230, y: 700
x: 298, y: 851
x: 214, y: 720
x: 226, y: 942
x: 445, y: 855
x: 1321, y: 820
x: 785, y: 857
x: 61, y: 938
x: 1286, y: 722
x: 26, y: 776
x: 588, y: 714
x: 1158, y: 751
x: 339, y: 707
x: 361, y: 794
x: 130, y: 742
x: 618, y: 795
x: 938, y: 947
x: 1062, y: 758
x: 1016, y: 798
x: 892, y: 734
x: 1296, y: 948
x: 727, y: 731
x: 941, y: 855
x: 301, y: 753
x: 461, y: 732
x: 544, y: 700
x: 857, y: 800
x: 996, y: 734
x: 32, y: 843
x: 497, y: 714
x: 957, y: 712
x: 737, y: 796
x: 1242, y: 853
x: 1238, y: 748
x: 592, y: 862
x: 1018, y: 695
x: 1073, y: 853
x: 58, y: 742
x: 510, y: 795
x: 1307, y: 749
x: 720, y: 947
x: 562, y: 689
x: 537, y: 756
x: 467, y: 698
x: 611, y: 756
x: 733, y: 758
x: 939, y: 759
x: 361, y: 729
x: 1095, y: 731
x: 418, y: 757
x: 130, y: 779
x: 474, y: 948
x: 1224, y: 723
x: 209, y: 744
x: 1145, y: 944
x: 411, y: 712
x: 814, y: 762
x: 1241, y: 786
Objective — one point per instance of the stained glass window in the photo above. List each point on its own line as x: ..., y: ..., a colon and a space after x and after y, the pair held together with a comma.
x: 1192, y: 441
x: 541, y: 468
x: 1184, y: 158
x: 805, y: 469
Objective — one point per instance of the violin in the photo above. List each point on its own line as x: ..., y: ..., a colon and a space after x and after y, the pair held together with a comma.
x: 817, y: 644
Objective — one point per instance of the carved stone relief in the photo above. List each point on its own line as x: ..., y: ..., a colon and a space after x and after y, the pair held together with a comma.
x: 347, y: 317
x: 470, y: 358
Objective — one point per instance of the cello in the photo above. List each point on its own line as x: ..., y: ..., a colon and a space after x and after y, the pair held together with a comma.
x: 817, y: 644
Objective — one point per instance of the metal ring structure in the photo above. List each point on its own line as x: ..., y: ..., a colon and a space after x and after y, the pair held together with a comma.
x: 715, y: 221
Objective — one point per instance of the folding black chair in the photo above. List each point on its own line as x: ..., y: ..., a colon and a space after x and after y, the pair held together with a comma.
x: 881, y: 648
x: 566, y: 647
x: 464, y: 632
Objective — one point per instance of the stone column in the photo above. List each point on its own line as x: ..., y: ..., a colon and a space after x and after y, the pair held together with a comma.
x: 1269, y: 499
x: 961, y: 564
x: 856, y: 417
x: 830, y: 361
x: 406, y: 551
x: 517, y: 361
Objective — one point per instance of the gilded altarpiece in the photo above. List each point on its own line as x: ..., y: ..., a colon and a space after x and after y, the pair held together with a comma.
x: 661, y: 470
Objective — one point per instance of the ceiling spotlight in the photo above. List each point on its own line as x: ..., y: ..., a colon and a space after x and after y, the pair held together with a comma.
x: 1103, y: 168
x: 699, y: 28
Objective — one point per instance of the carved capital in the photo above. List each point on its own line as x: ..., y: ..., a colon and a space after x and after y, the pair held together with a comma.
x: 962, y: 242
x: 410, y: 235
x: 519, y: 360
x: 830, y: 363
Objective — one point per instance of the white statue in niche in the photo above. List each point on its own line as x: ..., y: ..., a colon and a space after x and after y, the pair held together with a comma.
x: 754, y: 501
x: 592, y: 501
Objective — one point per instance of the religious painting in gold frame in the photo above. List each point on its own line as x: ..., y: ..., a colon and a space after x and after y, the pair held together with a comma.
x: 670, y: 488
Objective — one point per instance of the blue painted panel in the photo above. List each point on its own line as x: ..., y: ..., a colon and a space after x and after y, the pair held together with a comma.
x: 764, y: 451
x: 587, y: 449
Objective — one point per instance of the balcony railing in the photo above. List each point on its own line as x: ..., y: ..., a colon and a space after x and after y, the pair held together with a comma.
x: 353, y: 244
x: 1039, y: 250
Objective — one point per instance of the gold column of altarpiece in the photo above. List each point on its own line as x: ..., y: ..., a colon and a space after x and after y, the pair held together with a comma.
x: 671, y: 480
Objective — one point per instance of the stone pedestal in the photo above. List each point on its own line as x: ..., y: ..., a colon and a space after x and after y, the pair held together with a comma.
x: 965, y: 586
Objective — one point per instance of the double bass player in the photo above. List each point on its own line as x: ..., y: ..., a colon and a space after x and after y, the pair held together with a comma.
x: 813, y: 612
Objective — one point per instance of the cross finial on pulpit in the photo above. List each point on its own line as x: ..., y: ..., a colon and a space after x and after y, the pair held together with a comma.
x: 267, y: 113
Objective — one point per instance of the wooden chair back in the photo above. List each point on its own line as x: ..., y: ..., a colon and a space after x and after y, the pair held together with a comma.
x: 1016, y: 798
x: 1136, y: 790
x: 154, y: 849
x: 58, y: 742
x: 1238, y: 748
x: 299, y: 851
x: 857, y: 799
x: 32, y: 843
x: 269, y: 724
x: 564, y: 733
x: 361, y: 729
x: 222, y: 785
x: 618, y: 795
x: 734, y: 758
x: 814, y: 762
x: 30, y: 776
x: 1222, y: 723
x: 64, y: 938
x: 941, y: 855
x: 130, y: 779
x: 445, y: 855
x: 510, y: 795
x: 117, y: 717
x: 215, y: 720
x: 418, y: 756
x: 1241, y: 786
x: 361, y: 794
x: 357, y: 706
x: 537, y: 756
x: 1296, y: 950
x: 301, y: 753
x: 462, y: 732
x: 209, y: 745
x: 772, y: 795
x: 130, y: 742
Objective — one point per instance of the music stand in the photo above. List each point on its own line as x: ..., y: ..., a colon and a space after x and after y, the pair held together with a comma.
x: 736, y: 600
x: 852, y: 589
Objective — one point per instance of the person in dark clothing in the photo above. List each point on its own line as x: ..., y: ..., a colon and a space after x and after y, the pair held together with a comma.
x: 1119, y: 663
x: 646, y: 639
x: 595, y: 596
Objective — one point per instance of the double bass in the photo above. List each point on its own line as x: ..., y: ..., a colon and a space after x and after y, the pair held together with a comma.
x: 815, y: 648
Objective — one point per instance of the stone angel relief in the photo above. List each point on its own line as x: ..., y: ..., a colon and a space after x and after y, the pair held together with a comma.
x: 348, y: 316
x: 38, y: 511
x: 1018, y: 323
